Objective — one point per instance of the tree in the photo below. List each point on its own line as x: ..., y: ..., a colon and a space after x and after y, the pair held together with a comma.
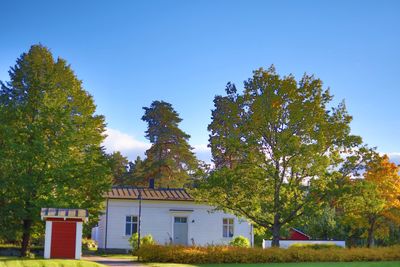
x: 292, y: 148
x: 119, y: 167
x: 170, y: 159
x: 136, y: 173
x: 50, y: 142
x: 225, y: 129
x: 373, y: 203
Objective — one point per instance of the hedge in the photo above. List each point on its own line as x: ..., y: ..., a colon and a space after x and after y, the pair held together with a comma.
x: 226, y: 254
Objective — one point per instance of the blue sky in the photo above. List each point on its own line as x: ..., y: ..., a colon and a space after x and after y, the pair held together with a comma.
x: 129, y: 53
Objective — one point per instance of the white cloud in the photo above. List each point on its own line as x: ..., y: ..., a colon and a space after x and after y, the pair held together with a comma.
x: 127, y: 144
x: 131, y: 147
x: 203, y: 152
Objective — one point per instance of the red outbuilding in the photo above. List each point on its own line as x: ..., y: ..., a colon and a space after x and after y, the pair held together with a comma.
x: 295, y: 234
x: 63, y: 232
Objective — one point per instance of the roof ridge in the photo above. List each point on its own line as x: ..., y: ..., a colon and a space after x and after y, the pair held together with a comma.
x: 141, y: 187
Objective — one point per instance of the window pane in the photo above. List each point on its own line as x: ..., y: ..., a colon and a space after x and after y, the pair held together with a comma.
x: 225, y: 231
x: 128, y: 218
x: 230, y: 221
x: 134, y: 218
x: 127, y: 229
x: 224, y: 221
x: 180, y: 220
x: 134, y: 228
x: 231, y: 231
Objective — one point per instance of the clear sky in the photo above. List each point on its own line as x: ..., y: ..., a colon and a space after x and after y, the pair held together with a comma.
x: 129, y: 53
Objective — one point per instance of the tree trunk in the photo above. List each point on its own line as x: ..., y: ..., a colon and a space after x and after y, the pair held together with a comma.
x: 371, y: 232
x: 276, y: 229
x: 26, y: 237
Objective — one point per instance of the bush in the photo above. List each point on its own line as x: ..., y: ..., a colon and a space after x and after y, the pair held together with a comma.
x: 314, y: 246
x: 147, y: 240
x: 144, y: 241
x: 228, y: 254
x: 240, y: 241
x: 89, y: 244
x: 133, y: 241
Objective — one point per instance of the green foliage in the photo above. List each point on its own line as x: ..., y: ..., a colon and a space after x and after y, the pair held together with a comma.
x: 372, y: 204
x: 50, y: 148
x: 280, y: 138
x: 89, y: 244
x: 144, y: 241
x: 170, y: 159
x: 147, y: 240
x: 224, y: 254
x: 133, y: 241
x: 240, y: 241
x: 119, y: 167
x: 137, y: 173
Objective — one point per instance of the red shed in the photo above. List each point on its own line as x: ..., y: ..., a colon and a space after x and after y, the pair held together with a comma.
x: 63, y: 232
x: 295, y: 234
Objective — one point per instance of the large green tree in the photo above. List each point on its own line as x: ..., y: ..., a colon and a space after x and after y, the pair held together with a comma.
x: 119, y: 167
x: 288, y: 147
x: 170, y: 160
x: 50, y: 142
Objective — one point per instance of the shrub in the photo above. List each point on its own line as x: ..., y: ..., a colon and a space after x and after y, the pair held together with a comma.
x: 314, y: 246
x: 89, y: 244
x: 229, y: 254
x: 147, y: 240
x: 133, y: 241
x: 240, y: 241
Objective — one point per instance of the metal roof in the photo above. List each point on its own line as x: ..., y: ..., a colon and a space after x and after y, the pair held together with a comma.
x: 130, y: 192
x: 64, y: 213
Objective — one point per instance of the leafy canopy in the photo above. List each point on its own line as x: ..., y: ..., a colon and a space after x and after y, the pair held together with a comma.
x: 50, y: 142
x: 277, y: 147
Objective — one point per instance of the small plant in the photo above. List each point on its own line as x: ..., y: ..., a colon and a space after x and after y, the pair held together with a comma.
x: 144, y: 241
x: 89, y: 244
x: 240, y: 241
x: 133, y: 241
x: 147, y: 240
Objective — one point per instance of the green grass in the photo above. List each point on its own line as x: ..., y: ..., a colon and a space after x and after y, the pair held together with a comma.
x: 303, y: 264
x: 14, y: 262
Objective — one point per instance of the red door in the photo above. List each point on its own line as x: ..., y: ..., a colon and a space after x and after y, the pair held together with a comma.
x: 63, y: 237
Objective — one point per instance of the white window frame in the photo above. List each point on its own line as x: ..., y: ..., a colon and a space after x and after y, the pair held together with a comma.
x: 229, y: 223
x: 131, y: 223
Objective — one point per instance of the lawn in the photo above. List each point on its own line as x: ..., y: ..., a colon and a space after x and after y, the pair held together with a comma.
x: 303, y: 264
x: 14, y: 262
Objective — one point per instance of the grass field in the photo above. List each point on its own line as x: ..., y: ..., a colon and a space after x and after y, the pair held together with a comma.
x: 304, y: 264
x: 12, y: 262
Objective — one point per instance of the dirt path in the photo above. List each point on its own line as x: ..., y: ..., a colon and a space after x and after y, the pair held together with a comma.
x: 115, y: 262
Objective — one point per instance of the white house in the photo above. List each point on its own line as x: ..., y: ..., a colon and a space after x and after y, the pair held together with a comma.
x: 170, y: 215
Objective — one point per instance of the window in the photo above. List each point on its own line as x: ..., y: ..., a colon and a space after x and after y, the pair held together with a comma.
x: 180, y: 220
x: 131, y: 225
x: 227, y: 227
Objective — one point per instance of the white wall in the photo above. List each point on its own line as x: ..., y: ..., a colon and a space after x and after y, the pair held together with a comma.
x: 288, y: 243
x: 204, y: 224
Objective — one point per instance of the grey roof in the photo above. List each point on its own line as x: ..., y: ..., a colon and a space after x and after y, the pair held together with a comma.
x: 64, y: 213
x: 130, y: 192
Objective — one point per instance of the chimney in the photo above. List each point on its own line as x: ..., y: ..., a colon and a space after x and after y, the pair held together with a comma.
x: 151, y: 183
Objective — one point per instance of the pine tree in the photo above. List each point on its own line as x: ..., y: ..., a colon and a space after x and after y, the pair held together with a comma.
x: 170, y: 160
x: 119, y: 167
